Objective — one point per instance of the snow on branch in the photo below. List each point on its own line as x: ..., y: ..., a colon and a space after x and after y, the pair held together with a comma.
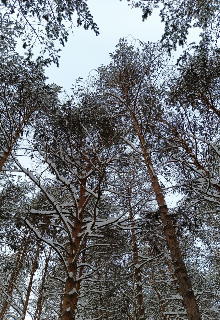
x: 51, y: 243
x: 132, y: 146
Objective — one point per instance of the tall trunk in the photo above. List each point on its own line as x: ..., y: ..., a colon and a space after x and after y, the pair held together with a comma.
x: 170, y: 268
x: 14, y: 275
x: 127, y: 311
x: 100, y: 302
x: 100, y: 292
x: 61, y: 308
x: 40, y: 298
x: 140, y: 311
x: 34, y: 266
x: 108, y: 303
x: 31, y: 281
x: 72, y: 285
x: 160, y: 298
x: 184, y: 282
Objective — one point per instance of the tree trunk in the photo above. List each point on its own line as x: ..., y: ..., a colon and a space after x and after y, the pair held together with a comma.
x: 72, y: 285
x: 7, y: 153
x: 14, y: 275
x: 40, y: 298
x: 160, y: 298
x: 31, y: 281
x: 127, y: 311
x: 140, y: 311
x: 100, y: 302
x: 108, y: 306
x: 184, y: 282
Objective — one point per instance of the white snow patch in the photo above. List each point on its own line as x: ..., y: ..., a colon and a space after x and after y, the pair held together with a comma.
x: 72, y: 291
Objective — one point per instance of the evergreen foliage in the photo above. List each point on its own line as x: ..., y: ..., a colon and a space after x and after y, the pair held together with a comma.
x: 87, y: 234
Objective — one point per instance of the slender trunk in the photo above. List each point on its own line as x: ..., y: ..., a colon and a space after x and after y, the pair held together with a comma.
x: 100, y: 302
x: 14, y: 275
x: 7, y: 153
x: 108, y: 303
x: 31, y: 281
x: 34, y: 266
x: 72, y: 285
x: 140, y: 311
x: 184, y: 282
x: 40, y: 299
x: 160, y: 298
x: 169, y: 265
x: 61, y: 308
x: 100, y: 292
x: 127, y: 311
x: 135, y: 308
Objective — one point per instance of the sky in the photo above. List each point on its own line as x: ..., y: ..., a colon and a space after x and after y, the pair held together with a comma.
x: 85, y: 51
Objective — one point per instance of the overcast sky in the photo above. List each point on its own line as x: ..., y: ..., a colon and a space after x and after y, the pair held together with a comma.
x: 85, y: 51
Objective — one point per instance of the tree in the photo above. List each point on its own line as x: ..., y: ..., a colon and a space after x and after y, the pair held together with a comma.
x: 126, y: 86
x: 24, y: 95
x: 77, y: 149
x: 179, y: 17
x: 45, y: 22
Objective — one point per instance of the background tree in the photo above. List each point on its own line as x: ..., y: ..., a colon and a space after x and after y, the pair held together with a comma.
x: 180, y: 16
x: 24, y: 95
x: 44, y: 22
x: 122, y: 82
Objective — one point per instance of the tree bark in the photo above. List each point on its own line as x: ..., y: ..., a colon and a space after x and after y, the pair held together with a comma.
x: 184, y: 282
x: 31, y: 281
x: 40, y: 298
x: 72, y: 285
x: 100, y: 302
x: 137, y: 270
x: 7, y: 153
x: 160, y: 298
x: 14, y: 275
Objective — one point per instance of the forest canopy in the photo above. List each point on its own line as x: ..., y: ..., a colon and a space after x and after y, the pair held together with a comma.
x: 86, y: 230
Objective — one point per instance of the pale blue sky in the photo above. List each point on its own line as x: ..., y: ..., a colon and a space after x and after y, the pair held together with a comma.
x: 85, y: 51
